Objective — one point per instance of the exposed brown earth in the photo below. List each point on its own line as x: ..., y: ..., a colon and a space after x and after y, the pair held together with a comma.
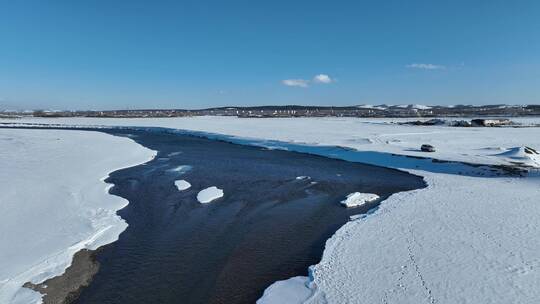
x: 64, y: 289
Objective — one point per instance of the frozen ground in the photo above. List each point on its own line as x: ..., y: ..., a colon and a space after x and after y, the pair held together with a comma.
x: 54, y: 201
x: 469, y: 237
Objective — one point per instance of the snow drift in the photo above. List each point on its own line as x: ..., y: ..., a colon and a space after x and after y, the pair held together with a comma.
x: 522, y: 155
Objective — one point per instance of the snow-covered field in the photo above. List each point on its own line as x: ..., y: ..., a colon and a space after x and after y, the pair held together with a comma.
x: 54, y: 201
x: 478, y: 145
x: 469, y: 237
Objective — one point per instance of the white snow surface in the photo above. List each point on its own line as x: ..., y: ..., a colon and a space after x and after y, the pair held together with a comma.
x: 421, y: 107
x: 358, y: 199
x: 290, y: 291
x: 368, y: 106
x: 474, y: 145
x: 414, y: 106
x: 182, y: 185
x: 522, y: 156
x: 469, y: 237
x: 209, y: 194
x: 54, y: 201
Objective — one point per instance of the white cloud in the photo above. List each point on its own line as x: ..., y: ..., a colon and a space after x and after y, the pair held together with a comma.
x: 425, y: 66
x: 302, y: 83
x: 322, y: 78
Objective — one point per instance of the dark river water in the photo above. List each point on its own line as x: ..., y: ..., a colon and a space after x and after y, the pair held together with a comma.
x: 269, y: 225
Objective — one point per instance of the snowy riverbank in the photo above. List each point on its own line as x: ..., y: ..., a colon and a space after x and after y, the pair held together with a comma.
x: 474, y: 145
x: 55, y: 202
x: 469, y: 237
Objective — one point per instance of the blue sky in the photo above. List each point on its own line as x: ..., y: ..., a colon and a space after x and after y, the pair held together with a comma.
x: 194, y: 54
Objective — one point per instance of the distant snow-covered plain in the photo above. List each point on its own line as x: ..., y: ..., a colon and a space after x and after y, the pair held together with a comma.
x: 54, y: 201
x: 471, y: 236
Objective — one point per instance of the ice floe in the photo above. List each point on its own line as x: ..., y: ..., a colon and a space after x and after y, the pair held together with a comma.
x: 209, y: 194
x: 358, y: 199
x: 182, y: 185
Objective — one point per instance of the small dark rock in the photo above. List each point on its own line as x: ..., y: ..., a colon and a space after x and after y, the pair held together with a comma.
x: 427, y: 148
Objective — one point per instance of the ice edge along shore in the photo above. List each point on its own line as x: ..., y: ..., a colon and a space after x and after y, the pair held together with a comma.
x: 78, y: 189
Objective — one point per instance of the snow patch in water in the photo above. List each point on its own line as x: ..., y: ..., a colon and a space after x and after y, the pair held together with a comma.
x: 180, y: 169
x: 209, y: 194
x: 182, y: 185
x: 357, y: 199
x: 174, y: 154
